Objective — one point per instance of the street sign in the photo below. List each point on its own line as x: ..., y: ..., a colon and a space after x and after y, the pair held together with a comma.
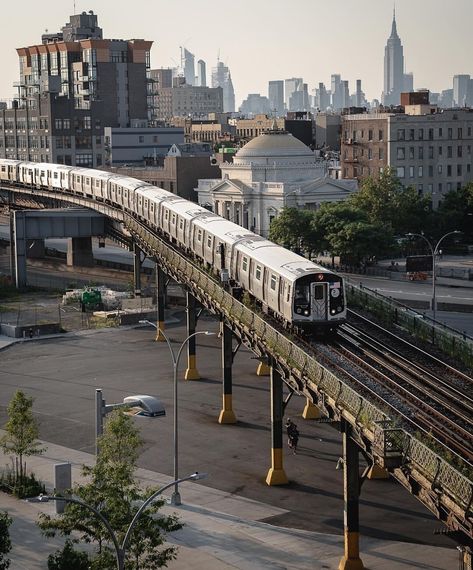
x: 418, y: 263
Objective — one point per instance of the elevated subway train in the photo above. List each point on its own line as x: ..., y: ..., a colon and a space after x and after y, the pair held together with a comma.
x: 299, y: 293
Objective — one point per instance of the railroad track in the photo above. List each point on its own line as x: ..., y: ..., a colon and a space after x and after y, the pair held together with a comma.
x: 435, y: 397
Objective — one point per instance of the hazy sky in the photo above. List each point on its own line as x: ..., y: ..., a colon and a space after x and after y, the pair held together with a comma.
x: 261, y: 40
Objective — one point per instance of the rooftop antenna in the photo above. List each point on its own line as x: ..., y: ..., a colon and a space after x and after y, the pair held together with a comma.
x: 74, y: 7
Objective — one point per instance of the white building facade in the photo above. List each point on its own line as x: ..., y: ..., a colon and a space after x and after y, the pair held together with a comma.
x: 272, y: 171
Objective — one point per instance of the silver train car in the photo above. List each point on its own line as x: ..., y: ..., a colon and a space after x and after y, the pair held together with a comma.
x: 299, y: 293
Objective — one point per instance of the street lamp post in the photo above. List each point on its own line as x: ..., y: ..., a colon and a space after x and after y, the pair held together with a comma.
x: 175, y: 497
x: 120, y: 550
x: 434, y: 251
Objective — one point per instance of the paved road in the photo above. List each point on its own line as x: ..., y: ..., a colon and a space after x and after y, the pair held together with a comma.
x: 62, y: 375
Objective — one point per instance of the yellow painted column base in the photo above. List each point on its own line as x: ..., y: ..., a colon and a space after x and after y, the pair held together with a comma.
x: 227, y: 415
x: 350, y: 564
x: 377, y: 472
x: 276, y: 477
x: 276, y: 474
x: 351, y: 559
x: 191, y: 371
x: 159, y: 332
x: 263, y: 369
x: 311, y: 412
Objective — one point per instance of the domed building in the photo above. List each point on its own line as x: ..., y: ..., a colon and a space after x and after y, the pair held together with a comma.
x: 272, y: 171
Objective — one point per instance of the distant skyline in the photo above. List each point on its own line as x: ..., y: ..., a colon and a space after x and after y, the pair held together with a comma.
x: 262, y: 42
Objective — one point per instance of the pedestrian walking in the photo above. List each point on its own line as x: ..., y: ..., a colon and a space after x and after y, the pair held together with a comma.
x: 292, y: 435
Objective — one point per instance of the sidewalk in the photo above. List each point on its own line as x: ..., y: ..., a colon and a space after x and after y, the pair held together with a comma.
x: 222, y: 531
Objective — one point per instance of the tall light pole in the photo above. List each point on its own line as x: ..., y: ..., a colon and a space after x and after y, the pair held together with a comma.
x: 434, y: 251
x: 120, y: 550
x: 175, y: 357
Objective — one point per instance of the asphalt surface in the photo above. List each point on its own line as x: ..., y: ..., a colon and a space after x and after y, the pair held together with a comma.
x: 62, y: 375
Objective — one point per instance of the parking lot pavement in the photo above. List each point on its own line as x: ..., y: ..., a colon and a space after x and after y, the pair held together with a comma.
x: 221, y: 531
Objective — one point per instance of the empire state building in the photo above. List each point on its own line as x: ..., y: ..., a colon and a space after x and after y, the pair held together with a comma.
x: 393, y: 68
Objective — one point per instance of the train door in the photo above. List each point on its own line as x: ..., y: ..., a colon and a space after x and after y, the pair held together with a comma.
x: 318, y: 298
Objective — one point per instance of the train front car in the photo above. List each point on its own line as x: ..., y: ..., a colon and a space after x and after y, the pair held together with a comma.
x: 319, y: 304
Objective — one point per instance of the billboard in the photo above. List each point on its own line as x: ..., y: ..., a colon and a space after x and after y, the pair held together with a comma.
x: 418, y: 263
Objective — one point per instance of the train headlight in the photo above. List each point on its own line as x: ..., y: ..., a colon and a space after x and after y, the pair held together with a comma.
x: 306, y: 313
x: 333, y: 311
x: 299, y: 310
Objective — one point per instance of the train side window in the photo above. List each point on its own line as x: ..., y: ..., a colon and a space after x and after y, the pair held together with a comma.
x: 77, y: 178
x: 55, y: 175
x: 258, y: 272
x: 209, y: 242
x: 273, y: 282
x: 318, y: 292
x: 173, y: 220
x: 244, y: 264
x: 166, y: 215
x: 87, y: 181
x: 288, y: 294
x: 4, y: 169
x: 199, y: 235
x: 181, y: 224
x: 152, y: 207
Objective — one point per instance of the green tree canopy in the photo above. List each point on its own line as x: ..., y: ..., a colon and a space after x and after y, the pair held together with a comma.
x: 5, y: 542
x: 455, y: 212
x: 291, y: 226
x: 111, y: 488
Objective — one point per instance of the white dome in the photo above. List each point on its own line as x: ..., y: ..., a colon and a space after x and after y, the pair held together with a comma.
x: 275, y: 144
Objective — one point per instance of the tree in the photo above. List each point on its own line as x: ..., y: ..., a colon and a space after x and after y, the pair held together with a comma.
x: 385, y: 200
x: 290, y: 227
x: 111, y: 489
x: 5, y: 542
x: 68, y: 559
x: 455, y: 212
x: 21, y: 438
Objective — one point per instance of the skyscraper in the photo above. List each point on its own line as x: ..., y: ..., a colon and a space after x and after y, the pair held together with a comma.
x: 201, y: 73
x: 221, y: 77
x: 337, y: 96
x: 276, y: 97
x: 393, y: 68
x: 187, y: 65
x: 460, y: 90
x: 290, y: 87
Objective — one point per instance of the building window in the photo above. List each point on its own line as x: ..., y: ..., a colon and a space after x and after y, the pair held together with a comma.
x: 370, y: 153
x: 381, y: 154
x: 412, y: 134
x: 58, y: 124
x: 431, y: 134
x: 370, y: 134
x: 411, y: 152
x: 459, y: 151
x: 401, y: 153
x: 450, y: 133
x: 439, y: 169
x: 440, y: 132
x: 430, y: 188
x: 431, y: 152
x: 420, y: 171
x: 449, y: 151
x: 449, y: 186
x: 421, y: 134
x: 431, y: 170
x: 449, y: 169
x: 141, y: 139
x: 411, y: 171
x: 401, y: 135
x: 460, y: 133
x: 400, y: 172
x: 440, y: 150
x: 380, y: 134
x: 440, y: 187
x: 420, y: 189
x: 421, y: 153
x: 459, y: 170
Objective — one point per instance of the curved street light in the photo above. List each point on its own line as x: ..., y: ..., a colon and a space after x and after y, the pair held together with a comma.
x: 120, y: 550
x: 434, y: 251
x: 175, y: 497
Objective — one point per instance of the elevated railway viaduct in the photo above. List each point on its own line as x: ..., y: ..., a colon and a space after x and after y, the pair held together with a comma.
x: 365, y: 428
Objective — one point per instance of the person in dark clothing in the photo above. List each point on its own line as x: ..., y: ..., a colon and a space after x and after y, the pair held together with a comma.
x: 292, y: 435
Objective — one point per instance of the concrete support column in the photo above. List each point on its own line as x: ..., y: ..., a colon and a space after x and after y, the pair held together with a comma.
x: 18, y: 245
x: 191, y: 372
x: 276, y: 474
x: 35, y: 248
x: 227, y: 415
x: 79, y: 252
x: 311, y: 411
x: 137, y: 269
x: 351, y: 488
x: 160, y: 302
x: 12, y: 247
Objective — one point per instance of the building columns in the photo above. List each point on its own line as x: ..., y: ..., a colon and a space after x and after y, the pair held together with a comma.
x: 79, y: 252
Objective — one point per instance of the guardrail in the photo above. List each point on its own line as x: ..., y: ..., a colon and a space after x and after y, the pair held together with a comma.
x: 457, y: 344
